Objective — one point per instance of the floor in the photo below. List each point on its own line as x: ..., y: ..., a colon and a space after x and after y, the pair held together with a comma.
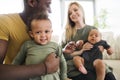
x: 115, y: 64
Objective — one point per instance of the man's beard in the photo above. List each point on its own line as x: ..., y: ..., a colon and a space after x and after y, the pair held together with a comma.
x: 40, y: 11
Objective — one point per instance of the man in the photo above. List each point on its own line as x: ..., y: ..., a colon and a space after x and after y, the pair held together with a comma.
x: 13, y: 32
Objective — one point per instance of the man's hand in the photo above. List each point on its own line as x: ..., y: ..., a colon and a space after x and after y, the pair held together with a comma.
x: 52, y: 63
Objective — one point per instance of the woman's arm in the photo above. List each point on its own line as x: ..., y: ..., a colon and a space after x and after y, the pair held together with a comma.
x: 86, y: 46
x: 76, y: 53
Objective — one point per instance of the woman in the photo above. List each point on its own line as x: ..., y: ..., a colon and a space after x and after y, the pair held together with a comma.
x: 75, y: 30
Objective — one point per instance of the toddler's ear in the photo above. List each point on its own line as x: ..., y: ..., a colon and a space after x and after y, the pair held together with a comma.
x: 31, y: 34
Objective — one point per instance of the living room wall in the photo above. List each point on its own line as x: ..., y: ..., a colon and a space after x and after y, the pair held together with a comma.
x: 111, y: 33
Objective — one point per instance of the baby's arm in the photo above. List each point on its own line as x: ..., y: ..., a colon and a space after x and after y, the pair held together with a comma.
x: 63, y: 64
x: 107, y: 47
x: 21, y: 56
x: 110, y: 51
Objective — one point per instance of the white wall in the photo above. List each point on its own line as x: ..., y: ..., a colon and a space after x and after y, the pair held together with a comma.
x: 113, y: 9
x: 88, y: 9
x: 112, y: 34
x: 16, y: 6
x: 11, y: 6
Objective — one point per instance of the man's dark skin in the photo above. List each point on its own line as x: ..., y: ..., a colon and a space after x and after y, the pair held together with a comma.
x: 15, y: 72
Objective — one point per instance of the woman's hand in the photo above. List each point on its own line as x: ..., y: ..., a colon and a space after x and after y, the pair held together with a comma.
x: 79, y: 44
x: 70, y: 47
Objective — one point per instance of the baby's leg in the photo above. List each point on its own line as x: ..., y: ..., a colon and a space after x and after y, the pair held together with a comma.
x: 79, y: 63
x: 100, y: 69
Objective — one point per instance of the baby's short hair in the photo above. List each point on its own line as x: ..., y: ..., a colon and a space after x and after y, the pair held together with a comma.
x: 39, y: 16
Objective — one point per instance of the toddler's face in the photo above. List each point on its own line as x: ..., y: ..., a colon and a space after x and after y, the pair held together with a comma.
x: 41, y: 31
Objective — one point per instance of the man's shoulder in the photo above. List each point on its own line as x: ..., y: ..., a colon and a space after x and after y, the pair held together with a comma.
x: 8, y: 15
x: 7, y: 18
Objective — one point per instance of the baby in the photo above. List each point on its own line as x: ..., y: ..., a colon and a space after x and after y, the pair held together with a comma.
x: 36, y: 50
x: 90, y: 59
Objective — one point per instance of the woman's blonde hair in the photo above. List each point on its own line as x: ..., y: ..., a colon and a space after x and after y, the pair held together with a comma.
x: 70, y: 29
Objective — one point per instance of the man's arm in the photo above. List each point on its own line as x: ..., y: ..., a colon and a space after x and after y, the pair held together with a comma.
x: 3, y: 50
x: 14, y: 72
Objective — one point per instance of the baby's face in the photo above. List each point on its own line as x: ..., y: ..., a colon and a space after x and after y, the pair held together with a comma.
x: 94, y: 36
x: 41, y: 31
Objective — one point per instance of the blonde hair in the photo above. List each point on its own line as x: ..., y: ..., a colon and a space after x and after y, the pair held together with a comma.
x: 70, y: 29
